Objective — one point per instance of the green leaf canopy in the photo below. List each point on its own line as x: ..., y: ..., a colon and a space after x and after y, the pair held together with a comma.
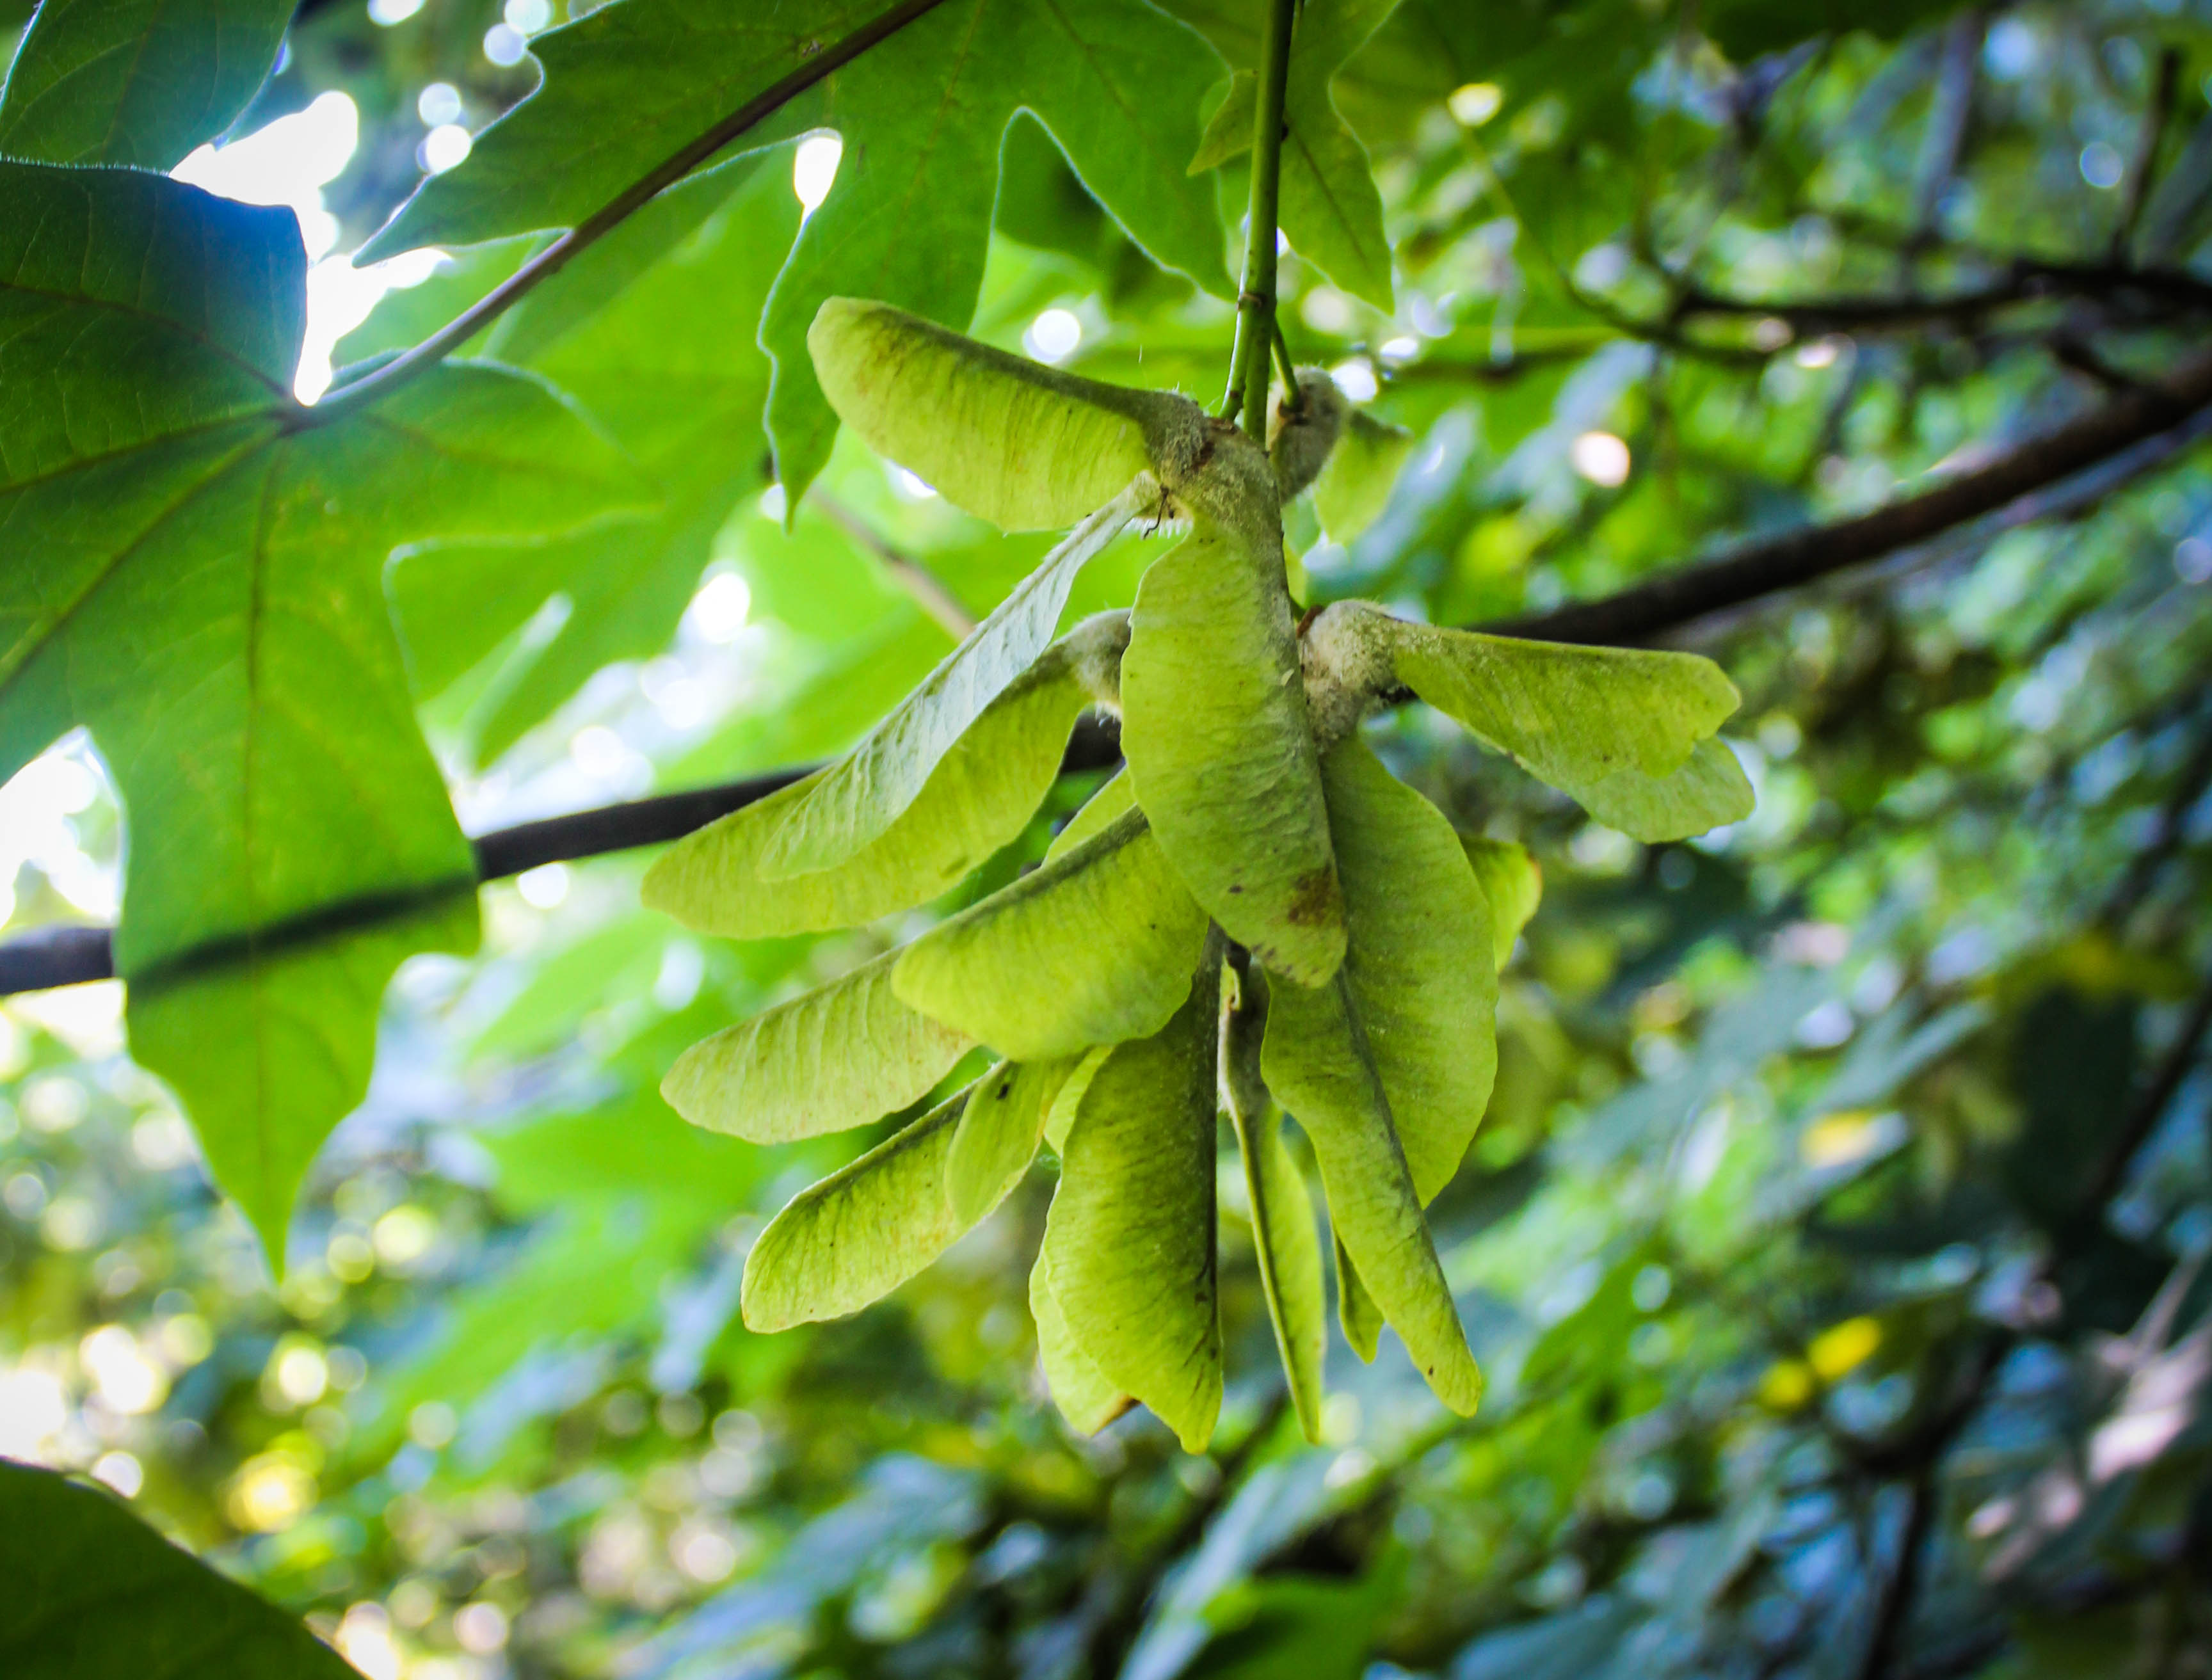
x: 651, y: 331
x: 197, y: 577
x: 908, y: 219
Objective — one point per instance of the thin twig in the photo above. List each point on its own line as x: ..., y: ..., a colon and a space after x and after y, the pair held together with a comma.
x: 1433, y: 370
x: 381, y: 382
x: 1943, y: 142
x: 2027, y: 280
x: 1923, y: 1456
x: 928, y: 589
x: 2145, y: 160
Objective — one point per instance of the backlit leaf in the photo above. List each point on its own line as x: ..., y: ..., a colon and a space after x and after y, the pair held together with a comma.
x: 998, y: 1134
x: 1512, y: 881
x: 1024, y: 445
x: 267, y: 1051
x: 135, y: 82
x: 1329, y: 208
x: 1130, y: 1244
x: 1609, y: 726
x: 980, y: 797
x: 842, y: 1055
x: 669, y: 70
x: 200, y: 583
x: 1085, y: 1398
x: 1420, y: 960
x: 1220, y: 753
x: 849, y: 1241
x: 95, y: 1594
x: 1317, y: 1063
x: 921, y: 114
x: 1229, y: 130
x: 1094, y: 947
x: 651, y: 331
x: 867, y: 790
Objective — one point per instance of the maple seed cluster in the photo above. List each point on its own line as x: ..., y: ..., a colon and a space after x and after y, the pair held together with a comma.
x: 1254, y: 915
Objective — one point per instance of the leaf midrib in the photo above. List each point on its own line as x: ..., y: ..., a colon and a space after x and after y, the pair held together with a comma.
x: 13, y: 662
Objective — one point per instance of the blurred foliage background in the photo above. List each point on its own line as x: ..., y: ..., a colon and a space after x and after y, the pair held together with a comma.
x: 1835, y: 1243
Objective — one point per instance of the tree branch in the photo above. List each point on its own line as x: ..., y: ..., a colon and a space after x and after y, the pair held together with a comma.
x: 1760, y: 569
x: 2025, y: 280
x: 1750, y: 572
x: 928, y: 591
x: 546, y: 263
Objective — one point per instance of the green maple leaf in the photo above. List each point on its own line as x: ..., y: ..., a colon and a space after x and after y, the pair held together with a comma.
x: 195, y: 576
x: 651, y: 329
x: 140, y: 82
x: 95, y: 1594
x: 922, y: 116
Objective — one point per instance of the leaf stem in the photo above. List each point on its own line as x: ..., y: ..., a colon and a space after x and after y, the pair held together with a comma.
x: 1255, y: 302
x: 381, y: 382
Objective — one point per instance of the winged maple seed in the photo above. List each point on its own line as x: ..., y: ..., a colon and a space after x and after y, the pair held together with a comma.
x: 1254, y: 912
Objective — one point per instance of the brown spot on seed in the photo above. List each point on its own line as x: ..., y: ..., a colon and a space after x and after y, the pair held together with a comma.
x: 1316, y: 898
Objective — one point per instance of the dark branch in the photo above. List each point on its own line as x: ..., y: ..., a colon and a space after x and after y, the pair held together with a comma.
x: 1923, y: 1454
x: 2025, y: 280
x: 66, y: 956
x: 1760, y: 569
x: 52, y: 956
x: 49, y: 956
